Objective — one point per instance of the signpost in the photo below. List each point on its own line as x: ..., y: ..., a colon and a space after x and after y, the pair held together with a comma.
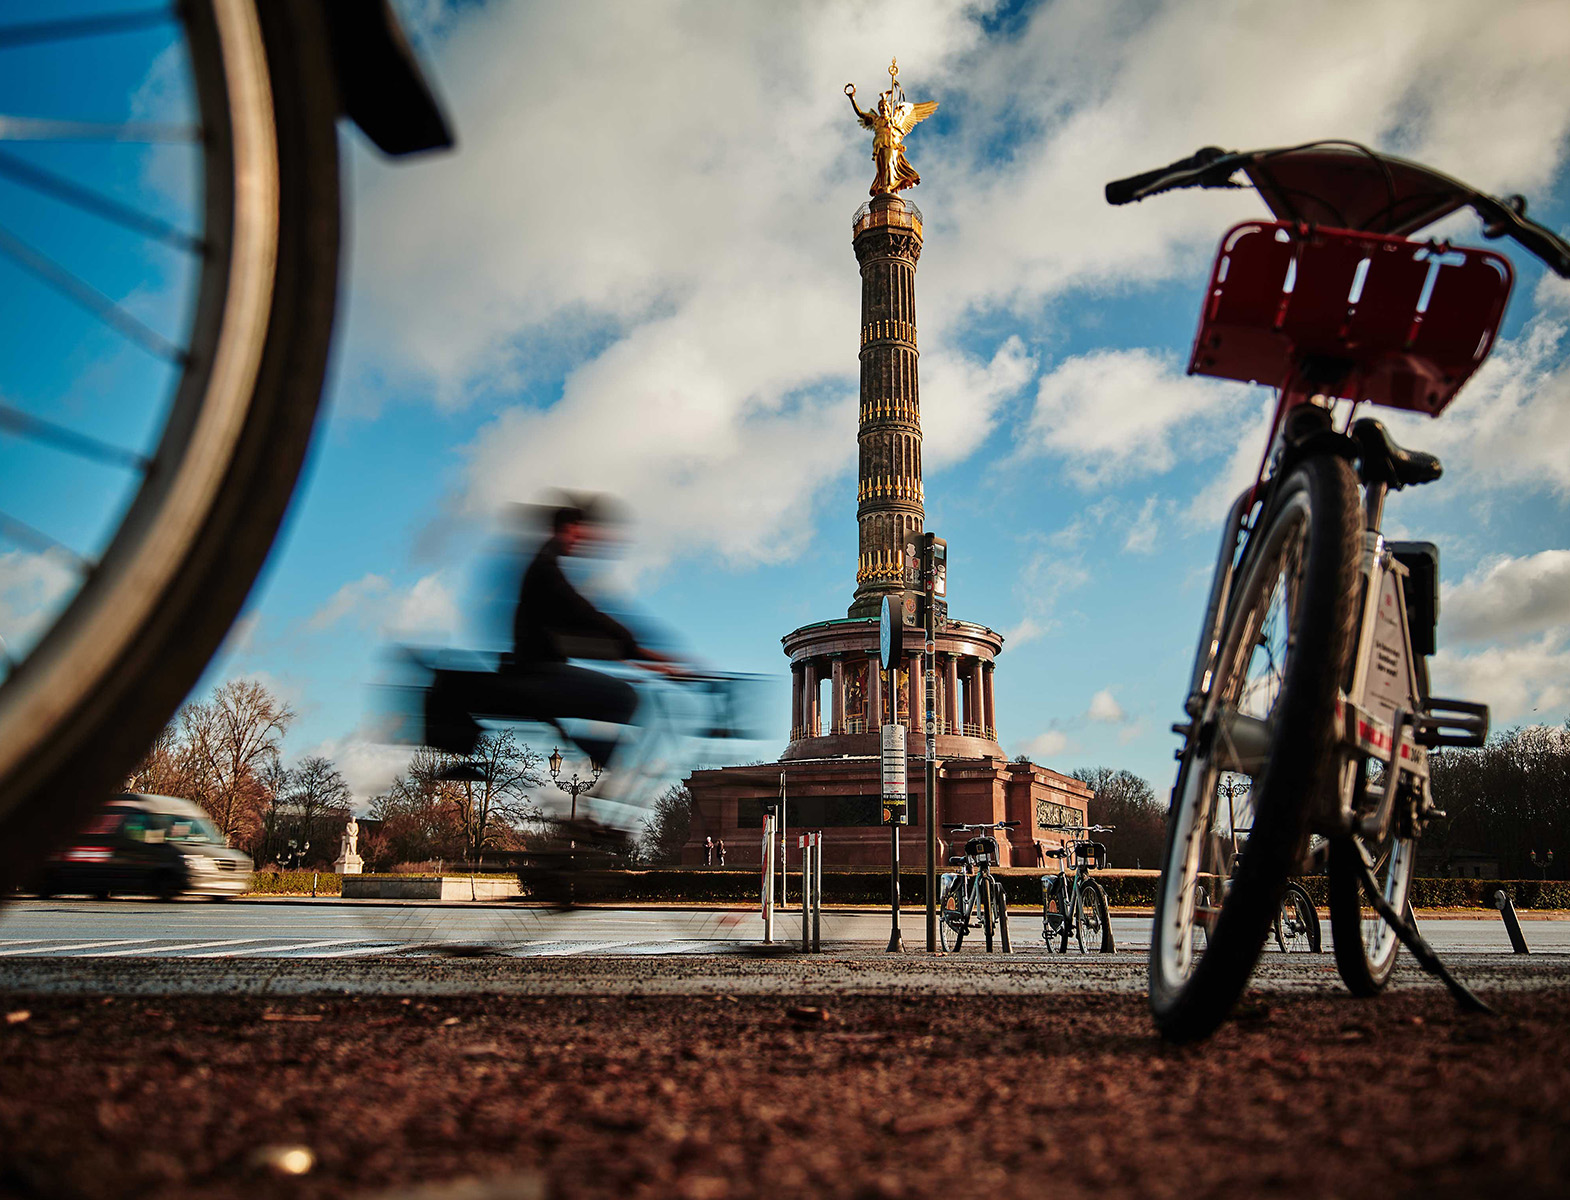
x: 935, y: 581
x: 895, y: 796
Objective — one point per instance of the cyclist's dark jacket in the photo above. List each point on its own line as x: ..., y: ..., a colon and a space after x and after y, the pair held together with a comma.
x: 552, y: 616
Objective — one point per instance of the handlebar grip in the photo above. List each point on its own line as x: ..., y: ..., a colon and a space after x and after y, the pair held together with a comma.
x: 1124, y: 191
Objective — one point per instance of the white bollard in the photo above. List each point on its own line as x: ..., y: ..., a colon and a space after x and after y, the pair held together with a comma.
x: 817, y: 890
x: 768, y: 880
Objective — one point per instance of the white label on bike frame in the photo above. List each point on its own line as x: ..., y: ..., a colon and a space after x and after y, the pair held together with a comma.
x: 1389, y: 684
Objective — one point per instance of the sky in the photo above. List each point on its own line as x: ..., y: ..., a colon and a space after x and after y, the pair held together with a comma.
x: 635, y: 275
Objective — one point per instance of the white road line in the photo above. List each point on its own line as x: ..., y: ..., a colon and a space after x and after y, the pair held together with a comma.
x: 166, y: 948
x: 361, y: 950
x: 268, y: 950
x: 562, y: 949
x: 69, y: 947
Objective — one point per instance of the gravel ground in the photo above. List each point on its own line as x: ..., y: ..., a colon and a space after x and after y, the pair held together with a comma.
x: 843, y: 1076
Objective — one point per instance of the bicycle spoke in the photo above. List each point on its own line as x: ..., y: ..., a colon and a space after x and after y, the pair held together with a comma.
x: 105, y: 309
x: 25, y: 425
x: 22, y: 534
x: 41, y: 32
x: 49, y: 129
x: 85, y: 199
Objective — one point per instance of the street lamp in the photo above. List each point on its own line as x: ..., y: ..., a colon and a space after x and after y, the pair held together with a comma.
x: 575, y: 786
x: 1543, y: 864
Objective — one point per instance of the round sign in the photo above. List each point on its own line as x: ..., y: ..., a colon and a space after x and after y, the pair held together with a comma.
x: 888, y: 624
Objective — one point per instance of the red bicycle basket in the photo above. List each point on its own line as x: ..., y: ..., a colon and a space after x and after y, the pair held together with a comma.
x: 1397, y: 322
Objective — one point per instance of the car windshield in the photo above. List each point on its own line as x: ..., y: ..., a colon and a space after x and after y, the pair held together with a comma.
x: 178, y: 828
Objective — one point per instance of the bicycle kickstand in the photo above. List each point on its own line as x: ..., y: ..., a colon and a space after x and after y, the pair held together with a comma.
x: 1406, y: 930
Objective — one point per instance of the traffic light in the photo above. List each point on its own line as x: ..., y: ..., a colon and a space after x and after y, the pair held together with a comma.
x: 935, y: 565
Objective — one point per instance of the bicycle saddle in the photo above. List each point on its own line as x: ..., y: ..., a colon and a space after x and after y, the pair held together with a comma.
x: 1387, y: 463
x: 956, y: 860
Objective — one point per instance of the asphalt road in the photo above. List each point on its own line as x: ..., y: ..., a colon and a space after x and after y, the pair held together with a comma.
x: 328, y: 929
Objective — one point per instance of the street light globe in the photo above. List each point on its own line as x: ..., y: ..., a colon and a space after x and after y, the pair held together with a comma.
x: 556, y: 761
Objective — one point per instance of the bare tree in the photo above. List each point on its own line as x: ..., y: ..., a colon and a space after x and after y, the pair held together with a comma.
x: 166, y: 769
x: 234, y: 740
x: 665, y: 828
x: 498, y: 800
x: 419, y: 813
x: 317, y: 801
x: 1125, y: 800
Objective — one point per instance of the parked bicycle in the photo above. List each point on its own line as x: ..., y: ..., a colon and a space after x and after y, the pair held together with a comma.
x: 1073, y: 902
x: 1296, y: 927
x: 973, y: 896
x: 1311, y: 671
x: 193, y: 455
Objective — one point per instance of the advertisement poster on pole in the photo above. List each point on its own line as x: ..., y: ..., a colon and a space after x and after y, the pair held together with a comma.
x: 896, y: 810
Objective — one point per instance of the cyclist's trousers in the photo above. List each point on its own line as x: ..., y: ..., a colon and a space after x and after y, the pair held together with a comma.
x: 548, y: 692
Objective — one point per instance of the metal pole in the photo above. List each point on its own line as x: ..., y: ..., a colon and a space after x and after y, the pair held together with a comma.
x: 768, y: 880
x: 784, y: 854
x: 896, y: 943
x: 817, y: 890
x: 930, y: 800
x: 806, y: 891
x: 1512, y: 923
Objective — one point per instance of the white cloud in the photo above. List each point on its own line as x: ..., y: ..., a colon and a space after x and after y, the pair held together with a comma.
x: 368, y: 765
x: 654, y: 200
x: 429, y: 608
x: 1527, y: 681
x: 1115, y: 414
x: 359, y: 599
x: 1104, y: 707
x: 1047, y: 745
x: 1509, y: 597
x: 1026, y: 631
x: 1141, y: 537
x: 33, y: 587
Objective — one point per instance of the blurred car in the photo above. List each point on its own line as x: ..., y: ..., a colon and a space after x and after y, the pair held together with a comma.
x: 141, y: 845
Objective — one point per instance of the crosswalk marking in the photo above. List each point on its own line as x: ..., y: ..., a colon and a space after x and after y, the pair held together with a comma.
x: 176, y: 948
x: 70, y: 947
x: 314, y: 944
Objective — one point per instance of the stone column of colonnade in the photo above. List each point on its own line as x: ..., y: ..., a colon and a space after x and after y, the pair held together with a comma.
x: 889, y: 512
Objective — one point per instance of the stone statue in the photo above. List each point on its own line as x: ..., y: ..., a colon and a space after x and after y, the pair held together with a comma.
x: 893, y: 119
x: 349, y: 861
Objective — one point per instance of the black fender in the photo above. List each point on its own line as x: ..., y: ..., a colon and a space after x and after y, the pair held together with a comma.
x: 381, y: 86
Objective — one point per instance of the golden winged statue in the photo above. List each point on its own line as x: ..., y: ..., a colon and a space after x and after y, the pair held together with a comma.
x: 890, y: 122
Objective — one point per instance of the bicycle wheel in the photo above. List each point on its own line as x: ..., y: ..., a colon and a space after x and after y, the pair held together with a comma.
x: 1271, y: 713
x: 1092, y: 926
x: 989, y: 914
x: 1366, y: 948
x: 1297, y: 923
x: 952, y: 918
x: 1055, y: 914
x: 1000, y: 905
x: 156, y: 595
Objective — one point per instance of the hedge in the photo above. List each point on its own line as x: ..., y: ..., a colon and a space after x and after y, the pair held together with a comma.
x: 295, y: 883
x: 1125, y: 889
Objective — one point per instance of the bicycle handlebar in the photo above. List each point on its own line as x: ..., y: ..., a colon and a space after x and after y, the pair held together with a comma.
x: 1429, y: 194
x: 1082, y: 828
x: 994, y: 825
x: 1203, y: 168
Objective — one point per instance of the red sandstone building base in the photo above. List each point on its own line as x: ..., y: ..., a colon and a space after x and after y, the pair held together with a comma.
x: 840, y: 796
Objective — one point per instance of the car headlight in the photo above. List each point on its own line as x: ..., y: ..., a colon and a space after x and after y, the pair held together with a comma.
x: 200, y: 862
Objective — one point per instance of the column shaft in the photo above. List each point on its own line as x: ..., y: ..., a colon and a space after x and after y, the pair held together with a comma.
x: 837, y: 696
x: 875, y: 717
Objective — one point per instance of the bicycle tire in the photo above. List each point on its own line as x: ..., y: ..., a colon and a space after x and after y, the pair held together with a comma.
x: 1093, y: 914
x: 951, y: 908
x: 1058, y: 904
x: 1308, y: 537
x: 1296, y: 926
x: 1000, y: 904
x: 81, y: 708
x: 1366, y: 948
x: 988, y: 909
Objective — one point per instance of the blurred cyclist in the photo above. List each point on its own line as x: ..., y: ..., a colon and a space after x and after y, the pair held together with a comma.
x: 553, y: 622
